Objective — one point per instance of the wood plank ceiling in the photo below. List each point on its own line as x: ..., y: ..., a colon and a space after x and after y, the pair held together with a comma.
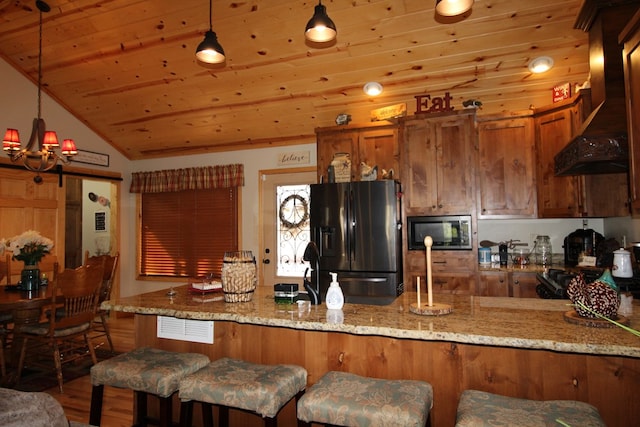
x: 127, y: 69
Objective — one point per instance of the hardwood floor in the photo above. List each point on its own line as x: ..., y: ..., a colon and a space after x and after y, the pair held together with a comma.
x: 117, y: 410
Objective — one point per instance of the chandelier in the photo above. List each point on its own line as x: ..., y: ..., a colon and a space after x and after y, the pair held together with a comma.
x: 40, y: 157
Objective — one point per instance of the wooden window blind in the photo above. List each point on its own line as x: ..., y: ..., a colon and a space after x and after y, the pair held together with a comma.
x: 186, y: 233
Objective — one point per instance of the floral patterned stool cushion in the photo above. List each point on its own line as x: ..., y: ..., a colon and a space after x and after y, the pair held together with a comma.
x: 479, y: 408
x: 232, y: 383
x: 344, y: 399
x: 145, y: 371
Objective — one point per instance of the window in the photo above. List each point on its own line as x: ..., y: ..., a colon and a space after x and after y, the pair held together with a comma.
x: 186, y: 233
x: 294, y: 232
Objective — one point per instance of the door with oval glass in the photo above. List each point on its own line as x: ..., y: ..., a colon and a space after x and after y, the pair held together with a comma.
x: 284, y: 224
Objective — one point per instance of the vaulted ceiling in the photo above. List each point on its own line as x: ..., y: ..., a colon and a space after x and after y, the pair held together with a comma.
x: 127, y: 69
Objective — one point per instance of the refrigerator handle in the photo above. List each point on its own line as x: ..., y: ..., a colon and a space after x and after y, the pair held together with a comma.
x: 352, y: 226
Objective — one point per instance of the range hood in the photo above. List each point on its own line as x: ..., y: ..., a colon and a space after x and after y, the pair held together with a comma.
x: 601, y: 146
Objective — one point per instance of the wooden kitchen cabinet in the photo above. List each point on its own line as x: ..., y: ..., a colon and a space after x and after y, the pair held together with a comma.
x: 523, y: 285
x: 493, y: 284
x: 506, y: 167
x: 375, y: 144
x: 601, y: 195
x: 558, y: 197
x: 630, y: 38
x: 439, y: 163
x: 452, y: 272
x: 507, y: 284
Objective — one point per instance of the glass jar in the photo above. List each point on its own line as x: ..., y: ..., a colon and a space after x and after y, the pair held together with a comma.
x: 543, y: 251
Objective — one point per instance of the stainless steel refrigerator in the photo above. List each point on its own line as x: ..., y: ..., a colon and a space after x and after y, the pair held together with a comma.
x: 357, y: 227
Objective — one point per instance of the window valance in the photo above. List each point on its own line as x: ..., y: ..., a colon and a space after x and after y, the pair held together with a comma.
x: 200, y: 178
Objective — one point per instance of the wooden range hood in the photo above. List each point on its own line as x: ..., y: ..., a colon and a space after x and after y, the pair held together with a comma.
x: 601, y: 144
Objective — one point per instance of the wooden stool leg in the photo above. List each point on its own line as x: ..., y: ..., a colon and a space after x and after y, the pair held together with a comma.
x: 223, y: 420
x: 207, y: 414
x: 95, y: 413
x: 140, y: 416
x: 186, y: 413
x: 166, y: 413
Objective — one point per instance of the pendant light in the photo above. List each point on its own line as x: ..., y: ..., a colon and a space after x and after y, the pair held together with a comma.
x: 210, y: 51
x: 453, y: 7
x: 320, y: 28
x: 41, y: 157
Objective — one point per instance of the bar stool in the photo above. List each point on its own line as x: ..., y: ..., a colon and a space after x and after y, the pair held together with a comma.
x: 344, y: 399
x: 146, y: 371
x: 231, y: 383
x: 479, y: 408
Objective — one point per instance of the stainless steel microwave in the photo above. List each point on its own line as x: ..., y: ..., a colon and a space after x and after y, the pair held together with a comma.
x: 451, y: 232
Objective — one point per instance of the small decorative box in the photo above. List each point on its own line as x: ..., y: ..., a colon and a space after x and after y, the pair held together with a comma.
x: 285, y: 293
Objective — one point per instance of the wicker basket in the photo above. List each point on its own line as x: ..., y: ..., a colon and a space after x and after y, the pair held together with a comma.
x: 238, y: 276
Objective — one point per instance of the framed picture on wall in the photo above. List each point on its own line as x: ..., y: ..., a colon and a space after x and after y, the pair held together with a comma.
x: 91, y: 158
x: 100, y: 221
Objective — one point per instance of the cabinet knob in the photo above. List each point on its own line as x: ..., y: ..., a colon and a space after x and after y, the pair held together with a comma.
x: 516, y: 282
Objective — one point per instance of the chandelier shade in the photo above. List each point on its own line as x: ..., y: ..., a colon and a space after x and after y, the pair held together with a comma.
x: 453, y: 7
x: 320, y: 28
x: 209, y: 51
x: 11, y: 141
x: 39, y: 154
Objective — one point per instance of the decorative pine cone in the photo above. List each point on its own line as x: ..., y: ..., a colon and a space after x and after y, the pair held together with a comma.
x: 597, y: 296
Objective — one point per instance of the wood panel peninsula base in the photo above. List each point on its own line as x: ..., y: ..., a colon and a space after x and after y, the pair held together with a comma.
x: 522, y: 348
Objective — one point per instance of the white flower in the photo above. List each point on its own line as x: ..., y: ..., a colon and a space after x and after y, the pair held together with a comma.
x: 29, y: 246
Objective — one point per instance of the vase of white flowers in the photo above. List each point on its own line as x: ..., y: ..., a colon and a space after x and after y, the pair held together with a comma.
x: 29, y: 247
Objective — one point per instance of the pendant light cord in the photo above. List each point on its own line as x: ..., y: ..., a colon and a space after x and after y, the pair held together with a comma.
x: 210, y: 13
x: 40, y: 66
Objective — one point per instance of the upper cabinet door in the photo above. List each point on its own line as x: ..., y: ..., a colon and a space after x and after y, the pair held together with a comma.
x: 558, y: 196
x: 331, y: 143
x: 439, y: 164
x: 374, y: 145
x: 506, y: 168
x: 598, y: 195
x: 630, y: 37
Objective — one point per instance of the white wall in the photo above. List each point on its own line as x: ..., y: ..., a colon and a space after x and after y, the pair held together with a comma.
x: 526, y: 230
x: 19, y: 108
x: 96, y: 197
x: 253, y: 161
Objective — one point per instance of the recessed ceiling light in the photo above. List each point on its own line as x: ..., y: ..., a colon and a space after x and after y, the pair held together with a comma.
x: 372, y: 88
x: 540, y: 64
x: 453, y: 7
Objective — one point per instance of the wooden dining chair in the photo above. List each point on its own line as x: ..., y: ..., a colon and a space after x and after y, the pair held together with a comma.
x: 76, y: 293
x: 4, y: 268
x: 110, y: 262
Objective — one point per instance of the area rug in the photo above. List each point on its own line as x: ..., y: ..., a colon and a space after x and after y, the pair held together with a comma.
x: 35, y: 379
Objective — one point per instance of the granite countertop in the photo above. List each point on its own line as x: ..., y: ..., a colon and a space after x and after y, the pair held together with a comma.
x: 507, y: 322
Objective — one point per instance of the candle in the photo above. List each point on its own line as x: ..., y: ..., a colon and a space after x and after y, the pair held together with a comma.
x: 418, y: 291
x: 428, y: 242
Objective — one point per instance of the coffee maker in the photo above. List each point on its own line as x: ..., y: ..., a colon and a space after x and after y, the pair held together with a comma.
x: 582, y: 241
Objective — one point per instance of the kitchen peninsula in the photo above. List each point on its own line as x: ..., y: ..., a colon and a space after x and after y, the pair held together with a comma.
x: 516, y: 347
